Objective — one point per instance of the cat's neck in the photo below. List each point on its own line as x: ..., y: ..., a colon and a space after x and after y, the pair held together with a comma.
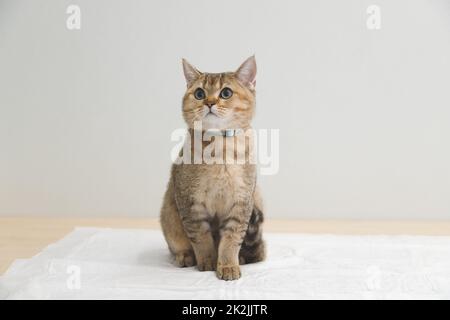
x: 238, y: 146
x: 232, y: 132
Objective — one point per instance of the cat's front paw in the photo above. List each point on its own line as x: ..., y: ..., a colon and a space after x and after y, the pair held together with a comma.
x: 228, y: 272
x: 207, y: 264
x: 185, y: 259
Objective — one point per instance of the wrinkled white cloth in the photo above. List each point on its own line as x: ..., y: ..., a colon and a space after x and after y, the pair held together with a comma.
x: 93, y: 263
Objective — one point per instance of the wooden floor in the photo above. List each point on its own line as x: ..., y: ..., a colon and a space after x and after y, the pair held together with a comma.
x: 24, y: 237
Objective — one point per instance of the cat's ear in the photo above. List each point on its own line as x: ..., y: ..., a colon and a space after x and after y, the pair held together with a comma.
x: 247, y: 72
x: 190, y: 72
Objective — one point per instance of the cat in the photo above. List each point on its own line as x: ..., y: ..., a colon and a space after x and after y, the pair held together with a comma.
x: 212, y: 214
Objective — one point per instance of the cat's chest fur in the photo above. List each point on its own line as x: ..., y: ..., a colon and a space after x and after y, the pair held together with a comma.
x: 220, y: 186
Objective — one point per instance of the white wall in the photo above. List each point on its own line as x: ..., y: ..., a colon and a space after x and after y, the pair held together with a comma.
x: 364, y: 116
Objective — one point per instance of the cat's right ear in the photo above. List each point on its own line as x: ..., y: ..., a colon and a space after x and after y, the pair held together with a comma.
x: 190, y: 73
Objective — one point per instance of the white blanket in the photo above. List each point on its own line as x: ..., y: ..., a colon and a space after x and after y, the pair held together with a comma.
x: 92, y: 263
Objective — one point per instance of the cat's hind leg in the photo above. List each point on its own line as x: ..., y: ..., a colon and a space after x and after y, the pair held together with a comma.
x: 253, y: 248
x: 178, y: 242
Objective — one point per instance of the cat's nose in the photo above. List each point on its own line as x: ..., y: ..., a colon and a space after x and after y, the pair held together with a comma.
x: 210, y: 101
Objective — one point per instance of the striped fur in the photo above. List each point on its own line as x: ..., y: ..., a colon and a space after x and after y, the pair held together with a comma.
x: 253, y: 247
x: 212, y: 213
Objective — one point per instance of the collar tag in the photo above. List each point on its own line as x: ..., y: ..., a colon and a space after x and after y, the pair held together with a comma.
x: 229, y: 132
x: 224, y: 133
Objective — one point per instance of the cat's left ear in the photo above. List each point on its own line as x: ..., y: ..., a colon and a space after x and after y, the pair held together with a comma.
x: 190, y: 72
x: 247, y: 72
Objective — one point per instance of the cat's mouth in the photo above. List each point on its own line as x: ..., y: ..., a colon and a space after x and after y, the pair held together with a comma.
x: 210, y: 113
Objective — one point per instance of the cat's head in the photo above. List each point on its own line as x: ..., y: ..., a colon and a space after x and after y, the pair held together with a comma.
x: 220, y: 100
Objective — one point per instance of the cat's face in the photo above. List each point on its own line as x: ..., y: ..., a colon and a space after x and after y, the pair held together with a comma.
x: 220, y: 100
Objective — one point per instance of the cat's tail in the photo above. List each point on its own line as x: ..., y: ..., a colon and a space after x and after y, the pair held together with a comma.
x: 253, y: 248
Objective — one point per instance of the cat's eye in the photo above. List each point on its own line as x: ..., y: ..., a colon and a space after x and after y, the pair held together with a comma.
x: 226, y: 93
x: 199, y: 94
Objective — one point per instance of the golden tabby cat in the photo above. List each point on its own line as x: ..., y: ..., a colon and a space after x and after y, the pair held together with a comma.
x: 212, y: 213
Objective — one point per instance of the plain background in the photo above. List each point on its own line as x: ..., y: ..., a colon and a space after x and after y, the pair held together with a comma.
x: 364, y: 115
